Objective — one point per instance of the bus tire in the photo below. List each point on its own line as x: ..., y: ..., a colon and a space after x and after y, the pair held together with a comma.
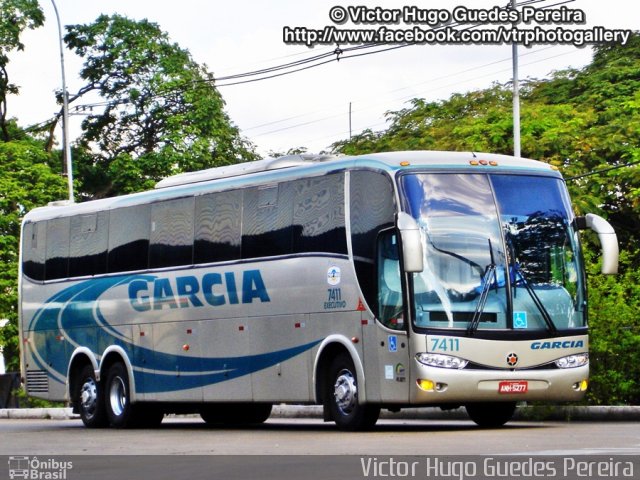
x: 117, y: 397
x: 89, y: 399
x: 341, y: 397
x: 491, y: 414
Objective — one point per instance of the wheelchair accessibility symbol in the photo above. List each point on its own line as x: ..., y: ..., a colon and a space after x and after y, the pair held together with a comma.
x: 519, y: 319
x: 393, y: 343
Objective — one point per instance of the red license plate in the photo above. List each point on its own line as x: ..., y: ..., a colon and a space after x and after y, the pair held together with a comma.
x: 513, y: 387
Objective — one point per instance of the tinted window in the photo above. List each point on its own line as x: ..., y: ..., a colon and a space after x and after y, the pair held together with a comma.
x: 372, y: 210
x: 129, y: 238
x: 89, y: 242
x: 57, y: 265
x: 318, y: 215
x: 171, y: 233
x: 218, y: 221
x: 33, y: 250
x: 267, y: 217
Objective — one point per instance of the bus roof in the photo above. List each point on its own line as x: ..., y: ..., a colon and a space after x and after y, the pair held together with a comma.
x: 392, y: 160
x: 272, y: 169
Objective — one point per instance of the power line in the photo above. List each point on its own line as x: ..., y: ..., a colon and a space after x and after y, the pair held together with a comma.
x: 598, y: 172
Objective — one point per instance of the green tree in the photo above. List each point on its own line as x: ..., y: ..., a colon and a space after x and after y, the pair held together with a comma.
x: 26, y: 181
x: 160, y: 112
x: 15, y: 17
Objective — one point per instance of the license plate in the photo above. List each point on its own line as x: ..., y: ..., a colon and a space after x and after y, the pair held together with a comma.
x: 513, y: 387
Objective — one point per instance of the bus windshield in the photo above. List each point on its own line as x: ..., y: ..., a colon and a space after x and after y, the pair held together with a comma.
x: 500, y: 253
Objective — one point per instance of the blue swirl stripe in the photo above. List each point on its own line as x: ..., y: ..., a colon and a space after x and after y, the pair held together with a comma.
x: 75, y: 313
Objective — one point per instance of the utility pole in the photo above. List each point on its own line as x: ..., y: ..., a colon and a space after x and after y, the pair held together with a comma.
x: 349, y: 121
x: 516, y: 95
x: 65, y: 112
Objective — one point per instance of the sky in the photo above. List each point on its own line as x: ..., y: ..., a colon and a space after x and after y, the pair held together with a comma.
x: 311, y: 108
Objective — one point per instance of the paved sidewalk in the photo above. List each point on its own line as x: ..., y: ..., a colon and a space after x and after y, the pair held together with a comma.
x: 531, y: 413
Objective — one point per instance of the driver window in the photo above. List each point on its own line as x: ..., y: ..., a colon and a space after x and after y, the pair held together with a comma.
x: 390, y: 311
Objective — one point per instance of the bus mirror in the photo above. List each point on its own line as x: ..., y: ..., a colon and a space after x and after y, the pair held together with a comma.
x: 411, y: 243
x: 608, y: 242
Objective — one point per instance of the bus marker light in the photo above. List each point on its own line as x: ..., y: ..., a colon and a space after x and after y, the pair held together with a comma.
x: 483, y: 162
x: 185, y: 347
x: 405, y: 164
x: 426, y: 385
x: 360, y: 307
x: 355, y: 339
x: 473, y: 163
x: 581, y: 386
x: 493, y: 163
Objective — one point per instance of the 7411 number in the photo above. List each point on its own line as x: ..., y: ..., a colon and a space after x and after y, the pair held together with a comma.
x: 445, y: 344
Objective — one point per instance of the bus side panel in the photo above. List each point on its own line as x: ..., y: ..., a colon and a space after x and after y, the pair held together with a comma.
x: 288, y: 380
x: 44, y: 345
x: 178, y: 362
x: 225, y: 342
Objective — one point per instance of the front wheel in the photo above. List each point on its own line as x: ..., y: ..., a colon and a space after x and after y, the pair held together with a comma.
x: 342, y: 400
x: 491, y: 414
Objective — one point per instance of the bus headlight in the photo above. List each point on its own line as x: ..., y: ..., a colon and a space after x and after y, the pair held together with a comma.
x: 442, y: 361
x: 573, y: 361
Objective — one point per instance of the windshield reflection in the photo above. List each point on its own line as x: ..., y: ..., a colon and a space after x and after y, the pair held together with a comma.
x: 499, y: 252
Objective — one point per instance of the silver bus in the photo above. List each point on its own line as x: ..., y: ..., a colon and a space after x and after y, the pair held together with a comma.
x: 389, y: 280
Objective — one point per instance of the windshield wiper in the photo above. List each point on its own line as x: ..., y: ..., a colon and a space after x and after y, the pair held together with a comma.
x: 484, y: 294
x: 534, y: 296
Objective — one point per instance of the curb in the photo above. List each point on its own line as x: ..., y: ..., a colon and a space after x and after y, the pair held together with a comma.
x: 524, y: 413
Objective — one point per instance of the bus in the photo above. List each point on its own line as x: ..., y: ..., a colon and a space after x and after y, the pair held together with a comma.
x: 358, y: 283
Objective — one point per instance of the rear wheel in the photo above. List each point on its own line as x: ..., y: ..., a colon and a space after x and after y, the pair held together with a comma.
x: 491, y: 414
x: 341, y: 397
x: 89, y: 399
x: 121, y: 413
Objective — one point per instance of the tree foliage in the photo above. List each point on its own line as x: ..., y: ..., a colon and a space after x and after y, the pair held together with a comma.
x: 15, y: 17
x: 159, y: 113
x: 27, y: 180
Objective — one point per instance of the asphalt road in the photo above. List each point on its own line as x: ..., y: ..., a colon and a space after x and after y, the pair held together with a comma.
x: 185, y: 447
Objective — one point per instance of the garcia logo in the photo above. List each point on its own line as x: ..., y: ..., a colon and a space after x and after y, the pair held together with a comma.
x: 553, y: 345
x: 214, y: 289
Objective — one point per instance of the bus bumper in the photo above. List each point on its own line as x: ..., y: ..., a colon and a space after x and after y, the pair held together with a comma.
x: 441, y: 386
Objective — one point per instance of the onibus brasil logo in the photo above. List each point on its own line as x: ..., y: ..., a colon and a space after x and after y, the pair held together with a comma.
x: 38, y: 469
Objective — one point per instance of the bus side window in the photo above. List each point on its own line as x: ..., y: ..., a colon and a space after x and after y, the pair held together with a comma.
x: 129, y: 238
x: 218, y: 227
x: 171, y: 234
x: 57, y: 264
x: 372, y: 210
x: 390, y: 310
x: 33, y: 250
x: 88, y: 244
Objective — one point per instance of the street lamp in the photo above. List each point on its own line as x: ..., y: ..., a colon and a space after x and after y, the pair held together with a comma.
x: 65, y: 111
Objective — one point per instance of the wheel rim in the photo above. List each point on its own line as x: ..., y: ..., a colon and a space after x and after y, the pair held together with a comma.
x: 345, y: 392
x: 89, y: 397
x: 117, y: 396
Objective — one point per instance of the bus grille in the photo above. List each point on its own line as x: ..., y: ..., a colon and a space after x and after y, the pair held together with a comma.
x: 37, y: 381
